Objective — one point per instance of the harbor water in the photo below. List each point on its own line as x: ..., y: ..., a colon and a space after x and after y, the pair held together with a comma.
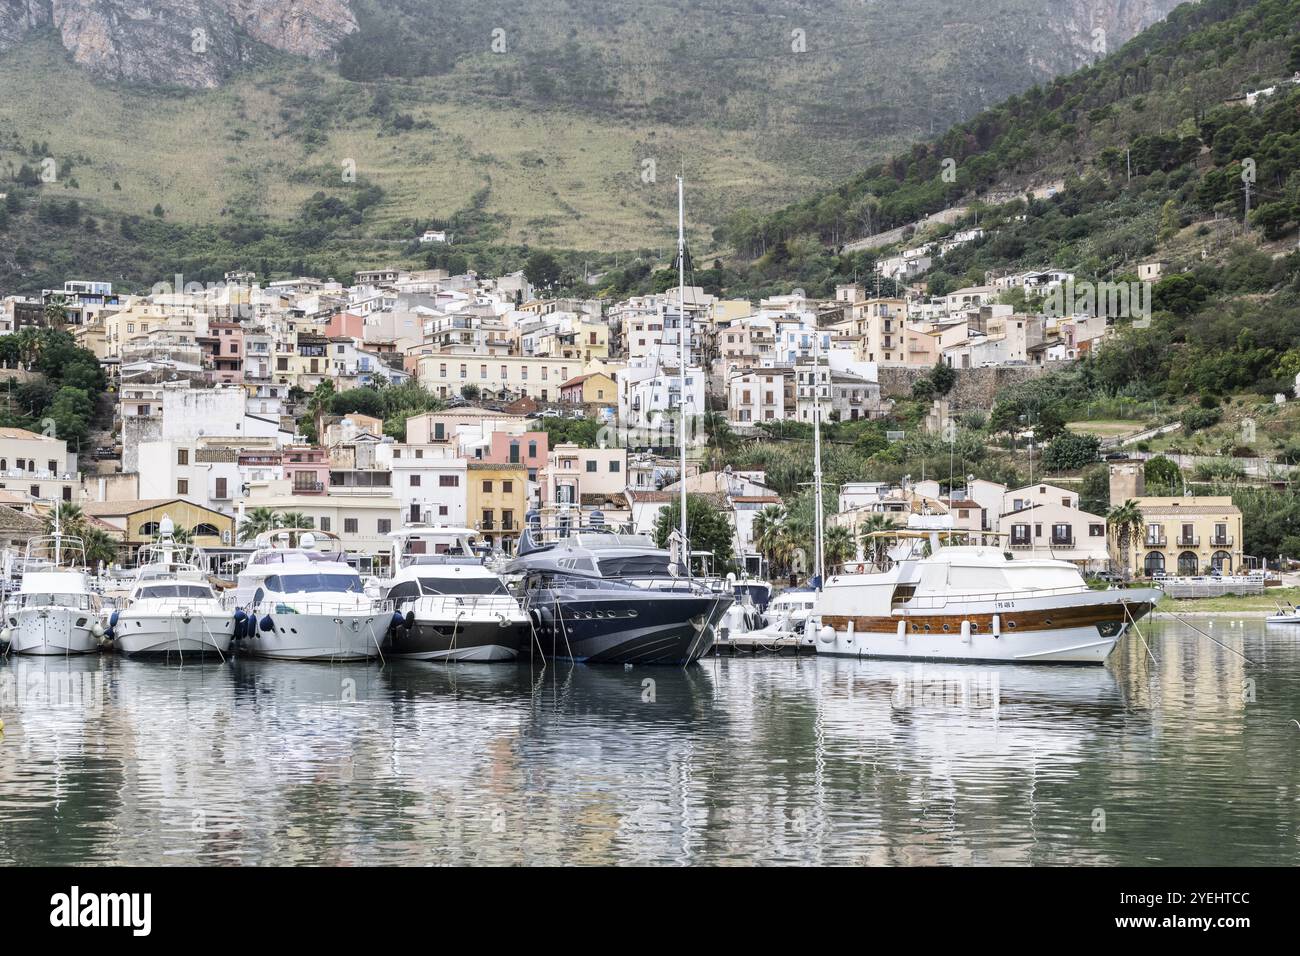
x: 1184, y: 753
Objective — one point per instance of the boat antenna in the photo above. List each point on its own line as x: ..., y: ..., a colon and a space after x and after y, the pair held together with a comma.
x: 819, y: 570
x: 682, y: 356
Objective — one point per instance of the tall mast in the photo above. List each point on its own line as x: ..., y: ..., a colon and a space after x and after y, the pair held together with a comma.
x: 819, y: 570
x: 682, y: 357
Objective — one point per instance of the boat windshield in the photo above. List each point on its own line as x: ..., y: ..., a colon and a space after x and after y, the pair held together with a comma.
x: 309, y: 583
x: 641, y: 565
x: 56, y: 600
x: 462, y: 586
x: 175, y: 591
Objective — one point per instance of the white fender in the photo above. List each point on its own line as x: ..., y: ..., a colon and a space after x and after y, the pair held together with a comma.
x: 965, y: 632
x: 827, y: 635
x: 997, y: 625
x: 902, y: 630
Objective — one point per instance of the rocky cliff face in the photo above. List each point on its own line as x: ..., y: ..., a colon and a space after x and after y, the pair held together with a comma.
x: 1077, y: 22
x: 199, y: 43
x: 194, y: 43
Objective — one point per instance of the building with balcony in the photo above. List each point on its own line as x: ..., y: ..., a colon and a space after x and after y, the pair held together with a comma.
x: 497, y: 500
x: 1187, y: 537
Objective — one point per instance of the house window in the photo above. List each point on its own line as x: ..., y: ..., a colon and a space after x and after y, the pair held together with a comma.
x: 442, y: 511
x: 449, y: 481
x: 532, y: 449
x: 349, y: 525
x: 67, y: 492
x: 614, y: 466
x: 182, y: 456
x: 507, y: 487
x: 182, y: 486
x: 415, y: 481
x: 36, y: 491
x: 385, y: 525
x: 439, y: 432
x: 1096, y: 530
x: 591, y: 465
x: 53, y: 466
x: 221, y: 488
x: 487, y: 487
x: 324, y: 524
x: 514, y: 453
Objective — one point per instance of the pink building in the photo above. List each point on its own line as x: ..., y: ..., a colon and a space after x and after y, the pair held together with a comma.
x: 345, y: 324
x: 307, y: 468
x: 528, y: 449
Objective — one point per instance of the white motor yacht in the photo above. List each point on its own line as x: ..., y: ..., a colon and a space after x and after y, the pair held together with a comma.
x: 54, y: 611
x: 298, y: 599
x: 171, y: 608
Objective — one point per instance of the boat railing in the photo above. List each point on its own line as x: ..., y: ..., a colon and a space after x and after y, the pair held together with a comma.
x: 453, y: 604
x: 284, y: 604
x: 926, y: 603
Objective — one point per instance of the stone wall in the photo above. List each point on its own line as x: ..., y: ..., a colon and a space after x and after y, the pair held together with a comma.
x: 976, y: 388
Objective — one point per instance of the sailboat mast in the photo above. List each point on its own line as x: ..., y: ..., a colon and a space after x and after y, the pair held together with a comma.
x: 819, y: 570
x: 682, y: 357
x: 58, y: 538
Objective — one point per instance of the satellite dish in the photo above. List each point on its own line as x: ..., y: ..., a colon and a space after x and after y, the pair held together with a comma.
x: 166, y: 526
x: 308, y: 540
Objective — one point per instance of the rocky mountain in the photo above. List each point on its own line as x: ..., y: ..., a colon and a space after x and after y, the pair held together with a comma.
x: 192, y: 43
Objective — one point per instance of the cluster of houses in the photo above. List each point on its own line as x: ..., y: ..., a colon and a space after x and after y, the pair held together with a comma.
x: 213, y: 383
x: 1181, y: 536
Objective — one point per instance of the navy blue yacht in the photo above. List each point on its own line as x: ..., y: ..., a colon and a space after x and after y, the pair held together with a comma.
x: 603, y: 597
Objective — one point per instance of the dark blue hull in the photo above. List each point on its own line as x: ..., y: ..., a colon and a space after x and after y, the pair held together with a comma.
x: 618, y: 627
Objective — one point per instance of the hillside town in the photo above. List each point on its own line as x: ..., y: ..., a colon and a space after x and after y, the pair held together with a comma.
x: 215, y: 414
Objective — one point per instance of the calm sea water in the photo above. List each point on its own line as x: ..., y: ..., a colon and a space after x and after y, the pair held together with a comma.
x: 1193, y: 758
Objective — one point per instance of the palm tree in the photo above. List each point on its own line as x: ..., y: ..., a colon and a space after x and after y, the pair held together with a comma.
x: 183, y: 535
x: 838, y: 547
x: 99, y: 547
x: 296, y: 519
x: 71, y: 519
x: 56, y: 312
x: 873, y: 549
x: 258, y: 521
x: 1126, y: 525
x: 765, y: 530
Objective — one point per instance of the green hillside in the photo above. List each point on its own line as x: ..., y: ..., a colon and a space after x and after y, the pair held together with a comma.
x: 545, y: 143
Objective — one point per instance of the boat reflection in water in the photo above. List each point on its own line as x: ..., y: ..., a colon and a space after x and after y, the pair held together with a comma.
x: 603, y: 597
x: 807, y: 760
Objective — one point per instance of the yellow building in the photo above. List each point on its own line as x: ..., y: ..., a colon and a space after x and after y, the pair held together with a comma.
x: 595, y: 389
x: 138, y: 521
x: 504, y: 375
x: 1187, y: 536
x: 497, y: 501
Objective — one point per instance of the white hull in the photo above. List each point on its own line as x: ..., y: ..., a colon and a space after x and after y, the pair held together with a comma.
x: 52, y: 632
x: 173, y: 634
x: 1076, y: 645
x: 345, y: 636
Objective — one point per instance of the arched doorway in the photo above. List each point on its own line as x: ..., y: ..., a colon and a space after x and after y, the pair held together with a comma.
x: 1221, y: 561
x: 1154, y: 564
x: 1187, y: 564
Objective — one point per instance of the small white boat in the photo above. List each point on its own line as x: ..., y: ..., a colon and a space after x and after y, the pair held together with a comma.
x: 1290, y: 614
x: 55, y: 611
x: 171, y: 608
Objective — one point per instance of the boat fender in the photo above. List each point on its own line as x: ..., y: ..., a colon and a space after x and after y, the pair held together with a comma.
x: 965, y: 632
x: 267, y: 624
x: 97, y: 629
x: 410, y: 620
x: 902, y: 630
x: 827, y: 635
x: 502, y: 621
x: 397, y: 620
x: 4, y: 634
x: 112, y: 619
x: 997, y: 625
x: 241, y: 621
